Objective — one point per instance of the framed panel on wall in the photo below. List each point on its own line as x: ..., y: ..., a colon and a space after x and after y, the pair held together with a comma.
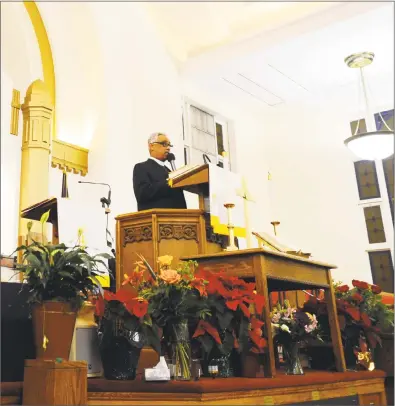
x: 382, y: 269
x: 388, y: 169
x: 368, y: 184
x: 374, y: 224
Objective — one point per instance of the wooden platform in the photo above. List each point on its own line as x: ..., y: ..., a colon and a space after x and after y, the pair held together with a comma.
x: 315, y: 388
x: 367, y: 387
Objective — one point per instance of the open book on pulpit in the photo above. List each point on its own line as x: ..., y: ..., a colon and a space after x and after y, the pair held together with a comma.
x: 223, y: 187
x: 268, y: 241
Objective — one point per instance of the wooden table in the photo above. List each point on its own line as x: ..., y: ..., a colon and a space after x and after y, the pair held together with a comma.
x: 363, y: 388
x: 276, y: 271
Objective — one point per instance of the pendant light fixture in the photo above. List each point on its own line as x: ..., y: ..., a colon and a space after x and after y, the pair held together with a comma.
x: 373, y: 144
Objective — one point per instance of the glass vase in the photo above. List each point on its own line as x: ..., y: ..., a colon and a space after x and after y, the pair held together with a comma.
x: 120, y: 349
x: 181, y: 352
x: 222, y: 362
x: 292, y: 359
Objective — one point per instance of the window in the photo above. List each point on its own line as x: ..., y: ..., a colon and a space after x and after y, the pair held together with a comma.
x: 388, y: 117
x: 374, y: 224
x: 206, y: 136
x: 388, y: 168
x: 368, y: 185
x: 382, y: 269
x: 358, y: 126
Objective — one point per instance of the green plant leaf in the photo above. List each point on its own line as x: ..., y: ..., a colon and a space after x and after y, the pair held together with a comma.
x: 207, y: 343
x: 44, y: 218
x: 33, y: 260
x: 225, y: 319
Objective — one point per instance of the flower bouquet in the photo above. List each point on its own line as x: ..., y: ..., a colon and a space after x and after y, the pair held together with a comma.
x: 174, y: 300
x: 290, y: 328
x: 231, y: 320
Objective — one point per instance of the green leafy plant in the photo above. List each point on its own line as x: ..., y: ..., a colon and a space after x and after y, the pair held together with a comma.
x: 60, y: 273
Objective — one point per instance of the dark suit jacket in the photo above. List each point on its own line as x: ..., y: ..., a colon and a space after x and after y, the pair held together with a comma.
x: 152, y: 190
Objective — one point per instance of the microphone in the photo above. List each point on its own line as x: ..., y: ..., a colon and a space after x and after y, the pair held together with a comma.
x: 171, y: 158
x: 206, y: 158
x: 103, y: 200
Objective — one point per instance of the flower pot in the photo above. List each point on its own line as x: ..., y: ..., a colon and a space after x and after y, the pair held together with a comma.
x: 250, y: 365
x: 53, y: 326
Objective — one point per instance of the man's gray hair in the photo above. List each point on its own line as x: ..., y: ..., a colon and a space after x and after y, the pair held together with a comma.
x: 154, y: 137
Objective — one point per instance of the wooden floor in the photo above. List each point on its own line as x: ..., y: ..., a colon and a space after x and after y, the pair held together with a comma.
x: 314, y: 388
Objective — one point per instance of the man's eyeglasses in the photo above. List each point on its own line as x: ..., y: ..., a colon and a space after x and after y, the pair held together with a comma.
x: 164, y: 144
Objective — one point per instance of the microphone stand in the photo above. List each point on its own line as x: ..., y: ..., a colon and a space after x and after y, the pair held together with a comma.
x: 106, y: 205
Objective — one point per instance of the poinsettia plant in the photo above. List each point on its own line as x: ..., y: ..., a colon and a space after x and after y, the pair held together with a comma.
x: 361, y: 312
x: 125, y: 313
x: 233, y: 317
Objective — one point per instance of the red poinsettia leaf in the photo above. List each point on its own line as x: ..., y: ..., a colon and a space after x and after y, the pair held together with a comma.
x: 354, y: 313
x: 204, y: 327
x: 108, y: 295
x: 124, y: 295
x: 245, y: 310
x: 366, y: 319
x: 259, y: 341
x: 256, y: 323
x: 212, y: 331
x: 139, y: 307
x: 232, y: 304
x: 259, y: 303
x: 199, y: 330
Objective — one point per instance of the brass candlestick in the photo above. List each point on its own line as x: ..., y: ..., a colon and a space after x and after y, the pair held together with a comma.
x: 275, y: 224
x: 232, y: 245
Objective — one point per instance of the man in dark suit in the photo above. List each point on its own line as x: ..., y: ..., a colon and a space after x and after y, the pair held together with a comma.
x: 150, y: 178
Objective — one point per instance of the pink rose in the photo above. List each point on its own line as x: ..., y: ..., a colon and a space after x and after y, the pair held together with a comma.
x: 169, y: 276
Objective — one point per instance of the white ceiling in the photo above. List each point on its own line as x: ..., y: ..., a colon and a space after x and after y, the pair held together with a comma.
x: 277, y: 53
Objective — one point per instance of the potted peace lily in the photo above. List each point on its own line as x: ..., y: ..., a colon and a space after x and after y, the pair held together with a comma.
x: 59, y: 280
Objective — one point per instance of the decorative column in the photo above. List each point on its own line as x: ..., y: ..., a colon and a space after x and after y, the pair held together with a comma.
x: 37, y: 112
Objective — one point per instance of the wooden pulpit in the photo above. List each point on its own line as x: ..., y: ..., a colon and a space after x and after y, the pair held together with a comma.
x: 176, y: 232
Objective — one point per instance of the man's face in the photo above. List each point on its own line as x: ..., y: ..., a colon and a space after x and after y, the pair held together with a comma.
x: 160, y: 148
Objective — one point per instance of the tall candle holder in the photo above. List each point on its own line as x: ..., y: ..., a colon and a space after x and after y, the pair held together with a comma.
x: 232, y: 245
x: 275, y: 224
